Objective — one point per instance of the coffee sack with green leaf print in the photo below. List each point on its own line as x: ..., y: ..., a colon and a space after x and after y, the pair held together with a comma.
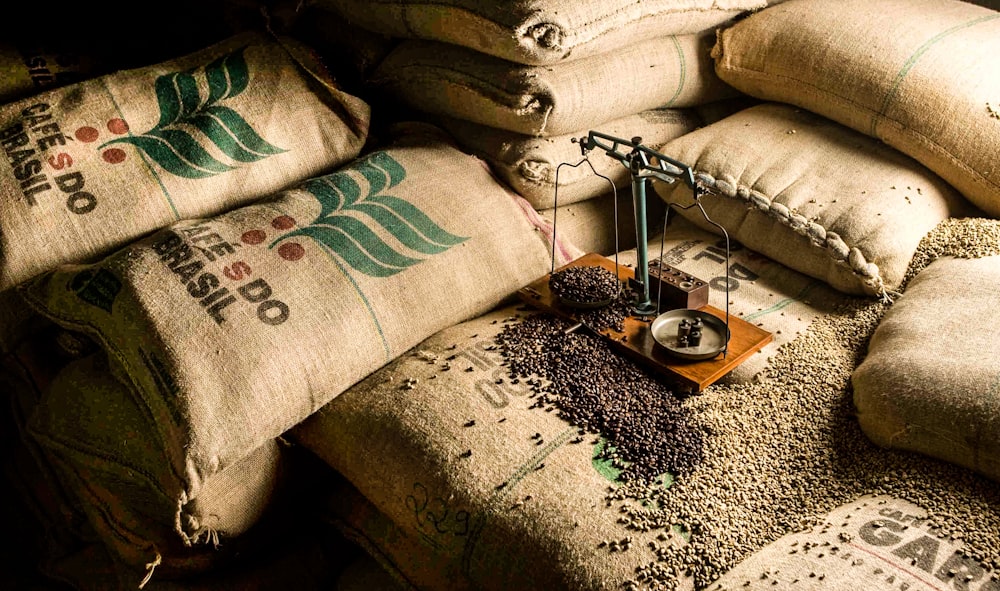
x: 232, y: 329
x: 90, y: 167
x: 469, y: 484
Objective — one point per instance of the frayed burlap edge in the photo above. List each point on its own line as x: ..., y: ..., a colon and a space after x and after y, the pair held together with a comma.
x: 830, y: 242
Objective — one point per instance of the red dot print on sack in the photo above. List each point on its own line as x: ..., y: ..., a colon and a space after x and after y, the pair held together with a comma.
x: 113, y: 156
x: 291, y: 251
x: 86, y: 134
x: 253, y: 237
x: 283, y: 222
x: 118, y: 126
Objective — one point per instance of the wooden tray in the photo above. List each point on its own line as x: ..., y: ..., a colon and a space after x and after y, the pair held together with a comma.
x: 636, y: 340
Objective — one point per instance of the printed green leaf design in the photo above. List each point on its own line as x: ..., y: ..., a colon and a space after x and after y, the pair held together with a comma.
x: 612, y: 471
x: 185, y: 117
x: 343, y: 224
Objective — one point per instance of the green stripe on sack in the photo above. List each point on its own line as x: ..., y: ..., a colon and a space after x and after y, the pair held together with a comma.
x: 783, y: 303
x: 367, y: 304
x: 505, y: 489
x: 532, y: 464
x: 682, y: 75
x: 908, y: 65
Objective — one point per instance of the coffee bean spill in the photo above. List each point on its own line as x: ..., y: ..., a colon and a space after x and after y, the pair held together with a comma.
x: 760, y: 460
x: 611, y: 316
x: 597, y: 390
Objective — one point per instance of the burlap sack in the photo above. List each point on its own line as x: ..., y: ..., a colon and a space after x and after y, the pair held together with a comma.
x: 51, y: 521
x: 96, y: 435
x: 445, y: 446
x: 813, y: 195
x: 873, y: 544
x: 230, y: 330
x: 291, y: 548
x: 543, y: 32
x: 763, y: 292
x: 921, y: 76
x: 929, y: 383
x: 590, y: 225
x: 27, y: 71
x: 92, y: 166
x: 411, y: 560
x: 26, y: 374
x: 529, y: 164
x: 443, y: 79
x: 352, y: 51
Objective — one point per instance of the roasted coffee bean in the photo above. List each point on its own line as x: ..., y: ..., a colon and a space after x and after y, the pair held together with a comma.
x: 585, y: 284
x: 594, y: 388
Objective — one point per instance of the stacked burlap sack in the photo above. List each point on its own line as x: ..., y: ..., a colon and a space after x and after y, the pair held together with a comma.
x: 194, y: 331
x: 893, y: 105
x: 80, y: 43
x: 289, y: 545
x: 465, y: 479
x: 833, y: 211
x: 95, y: 165
x: 838, y: 211
x: 517, y: 82
x: 216, y: 335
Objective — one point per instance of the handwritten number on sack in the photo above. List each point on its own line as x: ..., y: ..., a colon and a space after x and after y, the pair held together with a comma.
x: 462, y: 523
x: 436, y: 512
x: 415, y: 504
x: 435, y: 520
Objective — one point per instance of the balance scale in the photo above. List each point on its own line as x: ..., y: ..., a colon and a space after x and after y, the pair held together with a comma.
x: 650, y: 335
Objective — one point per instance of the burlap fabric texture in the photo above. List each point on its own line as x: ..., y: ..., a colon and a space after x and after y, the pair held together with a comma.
x: 813, y: 194
x: 590, y: 225
x: 530, y: 165
x: 536, y: 32
x: 470, y: 487
x: 53, y: 383
x: 873, y: 544
x: 96, y: 436
x: 921, y: 76
x: 443, y: 79
x: 228, y: 331
x: 92, y: 166
x: 928, y: 383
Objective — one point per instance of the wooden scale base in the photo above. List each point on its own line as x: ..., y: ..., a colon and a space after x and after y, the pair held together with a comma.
x: 636, y: 340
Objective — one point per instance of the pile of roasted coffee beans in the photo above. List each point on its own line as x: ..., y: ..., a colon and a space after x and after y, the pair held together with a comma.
x: 585, y: 284
x: 648, y: 429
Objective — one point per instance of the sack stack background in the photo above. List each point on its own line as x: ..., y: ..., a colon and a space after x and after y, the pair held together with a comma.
x: 125, y: 469
x: 517, y: 82
x: 116, y: 73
